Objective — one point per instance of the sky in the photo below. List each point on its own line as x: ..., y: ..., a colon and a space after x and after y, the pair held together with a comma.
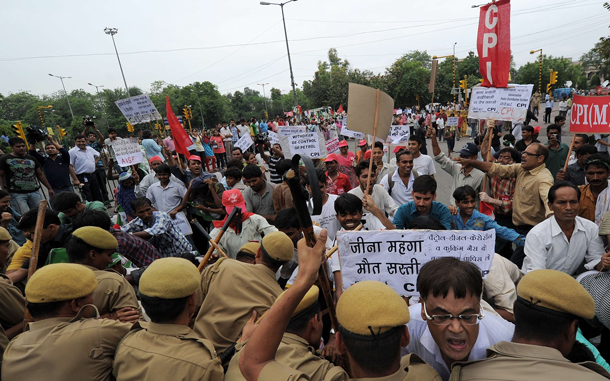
x: 240, y: 43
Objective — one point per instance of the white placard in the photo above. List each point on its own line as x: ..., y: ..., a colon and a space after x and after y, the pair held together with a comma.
x: 398, y: 133
x: 273, y: 138
x: 453, y: 120
x: 351, y: 134
x: 291, y: 130
x: 127, y: 152
x: 244, y: 142
x: 508, y: 104
x: 332, y: 146
x: 181, y: 223
x: 395, y: 257
x: 310, y: 144
x: 138, y: 109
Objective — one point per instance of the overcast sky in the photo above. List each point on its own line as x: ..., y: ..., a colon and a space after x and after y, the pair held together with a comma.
x: 239, y: 43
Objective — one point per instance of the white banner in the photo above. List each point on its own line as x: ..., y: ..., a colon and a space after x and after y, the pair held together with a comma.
x: 351, y: 134
x: 127, y: 152
x: 395, y: 257
x: 291, y: 130
x: 273, y: 138
x: 453, y: 120
x: 399, y: 133
x: 508, y: 104
x: 181, y: 223
x: 309, y: 144
x: 138, y: 109
x: 332, y: 146
x: 244, y: 142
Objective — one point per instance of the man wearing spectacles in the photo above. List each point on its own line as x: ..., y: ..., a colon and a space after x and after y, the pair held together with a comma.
x: 530, y: 202
x: 449, y: 324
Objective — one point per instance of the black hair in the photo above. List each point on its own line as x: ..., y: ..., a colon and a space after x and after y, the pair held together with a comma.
x: 584, y: 137
x: 374, y: 356
x: 163, y: 168
x: 424, y: 184
x: 163, y: 310
x: 401, y: 153
x: 95, y: 218
x: 233, y: 173
x: 598, y: 160
x: 364, y: 164
x: 348, y: 202
x: 553, y: 127
x: 251, y: 171
x: 28, y: 220
x: 378, y: 145
x: 44, y: 310
x: 534, y: 323
x: 298, y: 324
x: 542, y: 150
x: 79, y: 136
x: 416, y: 139
x: 528, y: 128
x: 4, y: 193
x: 283, y: 166
x: 461, y: 193
x: 509, y: 138
x: 235, y: 163
x: 586, y: 149
x: 440, y: 275
x: 514, y: 154
x: 111, y: 130
x: 237, y: 149
x: 244, y: 256
x: 580, y: 353
x: 426, y: 222
x: 146, y: 134
x: 140, y: 201
x: 559, y: 118
x: 15, y: 140
x: 562, y: 184
x: 78, y: 250
x: 286, y: 219
x: 478, y: 140
x: 65, y: 200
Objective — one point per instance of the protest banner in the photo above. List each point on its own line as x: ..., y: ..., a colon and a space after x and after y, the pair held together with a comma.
x: 509, y: 104
x: 138, y: 109
x: 309, y: 144
x: 395, y: 257
x: 453, y: 120
x: 398, y: 133
x: 127, y: 152
x: 181, y: 223
x: 244, y: 142
x: 493, y: 43
x: 590, y: 115
x: 351, y: 134
x: 273, y: 138
x: 332, y: 146
x: 291, y: 130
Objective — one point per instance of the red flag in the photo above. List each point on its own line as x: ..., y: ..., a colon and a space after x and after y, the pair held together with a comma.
x: 181, y: 138
x: 487, y: 209
x: 340, y: 109
x: 300, y: 109
x: 493, y: 43
x: 590, y: 115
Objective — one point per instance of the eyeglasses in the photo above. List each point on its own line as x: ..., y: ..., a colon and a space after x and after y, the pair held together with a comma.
x: 466, y: 319
x: 525, y: 153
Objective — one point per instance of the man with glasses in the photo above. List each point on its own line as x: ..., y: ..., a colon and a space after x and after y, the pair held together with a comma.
x: 462, y: 174
x: 449, y: 324
x: 530, y: 201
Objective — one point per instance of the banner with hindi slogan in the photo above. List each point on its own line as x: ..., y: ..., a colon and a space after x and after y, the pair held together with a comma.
x: 493, y: 43
x: 138, y: 109
x: 291, y: 130
x: 399, y: 133
x: 395, y: 257
x: 244, y: 142
x: 590, y: 115
x: 509, y: 104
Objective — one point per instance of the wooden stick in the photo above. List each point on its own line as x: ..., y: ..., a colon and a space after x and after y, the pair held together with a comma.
x: 42, y: 208
x: 489, y: 139
x: 368, y: 180
x: 336, y: 247
x: 565, y: 166
x: 218, y: 249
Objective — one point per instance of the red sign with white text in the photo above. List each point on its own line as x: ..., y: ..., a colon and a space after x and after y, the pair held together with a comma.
x: 493, y: 43
x: 590, y: 115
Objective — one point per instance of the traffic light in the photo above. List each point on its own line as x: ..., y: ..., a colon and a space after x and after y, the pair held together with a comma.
x: 18, y: 130
x: 548, y: 88
x: 62, y: 131
x: 553, y: 77
x: 130, y: 127
x: 464, y: 83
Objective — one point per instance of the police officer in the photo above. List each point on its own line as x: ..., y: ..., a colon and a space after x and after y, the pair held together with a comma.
x: 166, y: 348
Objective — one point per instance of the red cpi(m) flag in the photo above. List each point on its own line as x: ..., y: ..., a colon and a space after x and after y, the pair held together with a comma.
x: 340, y: 109
x: 181, y: 138
x: 590, y: 115
x: 493, y: 43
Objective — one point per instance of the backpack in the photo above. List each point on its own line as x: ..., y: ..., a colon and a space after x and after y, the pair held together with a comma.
x: 391, y: 182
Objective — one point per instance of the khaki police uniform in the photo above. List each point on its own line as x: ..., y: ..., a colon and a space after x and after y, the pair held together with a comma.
x: 165, y: 352
x: 296, y: 353
x: 113, y: 291
x: 64, y: 349
x: 12, y: 311
x: 231, y: 290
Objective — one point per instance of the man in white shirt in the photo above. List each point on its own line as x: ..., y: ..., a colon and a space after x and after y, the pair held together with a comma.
x: 151, y: 178
x: 602, y: 143
x: 227, y: 138
x: 83, y: 159
x: 564, y: 240
x: 423, y: 164
x: 548, y: 107
x: 449, y: 324
x: 165, y: 195
x: 383, y: 203
x: 399, y: 184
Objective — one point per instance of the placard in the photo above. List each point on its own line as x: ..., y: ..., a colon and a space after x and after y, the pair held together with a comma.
x: 351, y: 134
x: 508, y: 104
x: 395, y: 257
x: 181, y: 223
x: 308, y: 144
x: 244, y: 142
x: 332, y: 146
x: 398, y: 133
x: 127, y: 152
x: 138, y: 109
x: 590, y: 115
x: 273, y: 138
x: 453, y: 120
x: 291, y: 130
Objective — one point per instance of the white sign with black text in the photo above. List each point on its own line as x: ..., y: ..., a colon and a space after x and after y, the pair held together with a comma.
x: 244, y: 142
x: 138, y: 109
x: 127, y: 152
x: 509, y: 104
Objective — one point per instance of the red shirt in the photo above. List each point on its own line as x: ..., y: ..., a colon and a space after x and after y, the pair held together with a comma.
x: 339, y: 185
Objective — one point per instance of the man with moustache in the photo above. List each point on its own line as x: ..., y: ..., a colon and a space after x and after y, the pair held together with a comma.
x: 423, y: 204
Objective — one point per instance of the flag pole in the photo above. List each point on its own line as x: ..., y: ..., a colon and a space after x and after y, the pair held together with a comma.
x: 565, y: 166
x: 368, y: 180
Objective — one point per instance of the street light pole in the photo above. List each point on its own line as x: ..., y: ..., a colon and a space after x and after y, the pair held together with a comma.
x: 294, y: 91
x: 101, y: 101
x: 112, y: 32
x: 200, y: 109
x: 264, y: 97
x: 65, y: 92
x: 454, y: 44
x: 539, y: 77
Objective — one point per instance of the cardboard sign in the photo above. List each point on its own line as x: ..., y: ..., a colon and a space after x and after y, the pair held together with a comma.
x: 398, y: 133
x: 509, y: 104
x: 590, y: 115
x: 291, y: 130
x: 127, y: 152
x: 395, y: 257
x: 453, y: 120
x: 244, y: 142
x: 362, y: 102
x: 138, y: 109
x: 332, y: 146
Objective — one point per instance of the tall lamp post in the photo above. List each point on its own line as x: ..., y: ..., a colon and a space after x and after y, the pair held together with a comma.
x: 65, y: 92
x: 112, y: 32
x: 294, y: 91
x: 97, y: 90
x: 454, y: 44
x: 200, y: 109
x: 264, y: 97
x: 539, y: 77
